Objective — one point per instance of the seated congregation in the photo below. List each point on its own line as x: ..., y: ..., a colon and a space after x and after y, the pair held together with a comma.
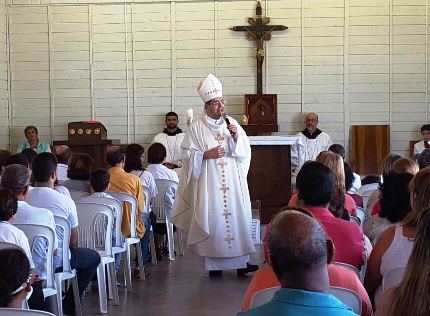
x: 345, y: 244
x: 52, y: 221
x: 363, y: 262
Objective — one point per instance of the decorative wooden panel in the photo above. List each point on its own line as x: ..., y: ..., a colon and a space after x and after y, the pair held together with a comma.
x: 370, y: 144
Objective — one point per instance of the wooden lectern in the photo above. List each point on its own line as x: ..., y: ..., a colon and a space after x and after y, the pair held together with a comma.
x: 88, y: 137
x: 269, y: 176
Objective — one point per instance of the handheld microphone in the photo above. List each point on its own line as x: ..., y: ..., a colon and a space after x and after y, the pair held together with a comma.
x: 227, y: 121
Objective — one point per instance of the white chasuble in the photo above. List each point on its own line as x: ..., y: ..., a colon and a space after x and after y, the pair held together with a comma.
x: 212, y: 203
x: 308, y: 148
x: 172, y: 145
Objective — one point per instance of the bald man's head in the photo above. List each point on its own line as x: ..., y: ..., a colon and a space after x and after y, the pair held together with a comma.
x: 115, y: 155
x: 297, y: 242
x: 63, y: 153
x: 311, y: 122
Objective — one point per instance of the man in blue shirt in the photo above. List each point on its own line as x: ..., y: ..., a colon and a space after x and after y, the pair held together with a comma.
x: 299, y: 253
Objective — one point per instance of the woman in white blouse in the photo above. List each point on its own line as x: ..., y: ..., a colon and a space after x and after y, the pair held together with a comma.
x: 395, y: 245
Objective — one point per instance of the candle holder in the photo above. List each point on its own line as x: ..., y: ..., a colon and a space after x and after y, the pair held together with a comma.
x: 189, y: 116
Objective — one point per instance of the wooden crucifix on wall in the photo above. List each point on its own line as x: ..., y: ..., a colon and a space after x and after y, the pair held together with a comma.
x: 259, y: 31
x: 261, y: 109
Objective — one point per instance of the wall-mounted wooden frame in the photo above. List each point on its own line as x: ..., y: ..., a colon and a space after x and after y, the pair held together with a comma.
x: 261, y: 109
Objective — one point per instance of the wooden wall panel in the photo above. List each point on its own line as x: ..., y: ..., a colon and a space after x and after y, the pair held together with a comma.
x: 128, y: 63
x: 4, y: 91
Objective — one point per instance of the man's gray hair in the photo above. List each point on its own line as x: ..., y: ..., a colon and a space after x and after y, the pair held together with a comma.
x: 296, y: 241
x: 15, y: 177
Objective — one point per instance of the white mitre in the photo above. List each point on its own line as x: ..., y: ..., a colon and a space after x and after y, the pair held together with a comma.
x: 210, y: 88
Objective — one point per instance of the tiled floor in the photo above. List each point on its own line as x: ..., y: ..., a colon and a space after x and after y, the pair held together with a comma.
x: 178, y: 288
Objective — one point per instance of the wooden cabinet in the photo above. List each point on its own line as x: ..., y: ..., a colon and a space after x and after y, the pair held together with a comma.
x: 370, y: 144
x: 269, y: 176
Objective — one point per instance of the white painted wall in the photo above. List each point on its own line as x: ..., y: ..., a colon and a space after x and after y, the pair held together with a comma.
x: 4, y: 110
x: 126, y: 64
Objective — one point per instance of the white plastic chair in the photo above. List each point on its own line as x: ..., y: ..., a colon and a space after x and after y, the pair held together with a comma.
x: 88, y: 213
x: 366, y: 196
x: 263, y: 296
x: 361, y: 214
x: 77, y: 195
x: 148, y: 199
x: 147, y: 209
x: 367, y: 187
x: 68, y: 273
x: 363, y: 270
x: 355, y: 219
x: 133, y: 239
x: 347, y: 297
x: 392, y: 278
x: 159, y: 209
x: 34, y: 233
x: 118, y: 247
x: 22, y: 312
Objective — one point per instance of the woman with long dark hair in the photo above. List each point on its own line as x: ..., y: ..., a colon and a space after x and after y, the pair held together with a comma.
x: 134, y: 156
x: 395, y: 205
x: 395, y: 245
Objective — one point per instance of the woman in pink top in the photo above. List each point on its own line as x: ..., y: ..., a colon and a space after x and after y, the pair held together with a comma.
x: 395, y: 245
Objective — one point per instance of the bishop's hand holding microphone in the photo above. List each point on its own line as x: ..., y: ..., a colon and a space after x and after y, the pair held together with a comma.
x: 232, y: 128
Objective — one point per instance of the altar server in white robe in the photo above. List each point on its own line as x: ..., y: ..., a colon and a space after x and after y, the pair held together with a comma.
x: 424, y: 144
x: 171, y: 137
x: 212, y: 204
x: 311, y: 141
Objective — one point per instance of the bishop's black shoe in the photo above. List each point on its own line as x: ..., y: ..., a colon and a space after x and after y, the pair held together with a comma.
x: 215, y: 273
x: 249, y: 268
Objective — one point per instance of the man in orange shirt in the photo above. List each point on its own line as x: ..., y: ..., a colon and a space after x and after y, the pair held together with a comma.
x: 121, y: 181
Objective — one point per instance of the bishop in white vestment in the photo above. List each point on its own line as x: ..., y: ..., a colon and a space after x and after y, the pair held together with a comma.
x: 212, y: 203
x: 311, y: 141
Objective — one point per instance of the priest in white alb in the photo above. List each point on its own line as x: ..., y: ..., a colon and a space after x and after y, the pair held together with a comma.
x: 212, y: 203
x: 171, y: 137
x: 311, y: 141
